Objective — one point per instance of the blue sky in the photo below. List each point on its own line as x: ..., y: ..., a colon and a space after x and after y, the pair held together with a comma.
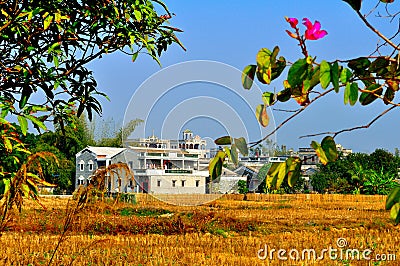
x: 232, y: 32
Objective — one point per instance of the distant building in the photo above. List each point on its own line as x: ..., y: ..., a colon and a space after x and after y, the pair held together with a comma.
x: 91, y: 158
x: 309, y: 158
x: 342, y: 150
x: 170, y: 166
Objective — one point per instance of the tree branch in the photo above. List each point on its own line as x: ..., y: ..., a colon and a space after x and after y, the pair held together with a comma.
x: 376, y: 31
x: 252, y: 144
x: 353, y: 128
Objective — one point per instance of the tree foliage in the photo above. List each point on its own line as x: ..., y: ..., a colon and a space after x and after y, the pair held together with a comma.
x: 358, y: 173
x: 116, y: 140
x: 45, y: 48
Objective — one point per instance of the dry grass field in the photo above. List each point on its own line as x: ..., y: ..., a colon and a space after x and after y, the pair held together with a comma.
x: 227, y: 231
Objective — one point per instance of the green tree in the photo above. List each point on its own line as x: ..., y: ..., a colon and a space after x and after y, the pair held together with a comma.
x: 378, y: 182
x: 45, y: 48
x: 383, y: 160
x: 60, y: 173
x: 117, y: 138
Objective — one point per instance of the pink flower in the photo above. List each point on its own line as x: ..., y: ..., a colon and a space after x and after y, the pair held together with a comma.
x: 313, y: 32
x: 292, y: 21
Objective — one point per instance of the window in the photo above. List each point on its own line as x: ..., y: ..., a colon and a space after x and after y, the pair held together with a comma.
x: 81, y: 165
x: 130, y: 164
x: 197, y: 183
x: 90, y: 163
x: 158, y: 183
x: 173, y: 183
x: 81, y: 180
x: 183, y: 183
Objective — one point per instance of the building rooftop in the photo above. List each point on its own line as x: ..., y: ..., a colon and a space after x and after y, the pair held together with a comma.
x: 105, y: 152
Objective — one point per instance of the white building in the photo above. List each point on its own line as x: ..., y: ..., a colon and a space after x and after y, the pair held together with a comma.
x: 91, y: 159
x: 169, y: 166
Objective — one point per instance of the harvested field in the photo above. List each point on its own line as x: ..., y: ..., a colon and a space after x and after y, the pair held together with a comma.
x: 227, y: 231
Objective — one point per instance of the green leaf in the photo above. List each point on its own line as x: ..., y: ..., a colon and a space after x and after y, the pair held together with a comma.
x: 26, y: 93
x: 326, y: 151
x: 272, y: 175
x: 225, y: 140
x: 347, y: 93
x: 7, y: 144
x: 135, y: 56
x: 47, y: 21
x: 138, y: 15
x: 329, y: 147
x: 284, y: 95
x: 281, y: 175
x: 55, y: 60
x: 25, y: 189
x: 274, y: 54
x: 36, y: 121
x: 345, y: 75
x: 278, y: 67
x: 353, y: 93
x: 389, y: 95
x: 264, y: 74
x: 268, y: 98
x: 359, y: 64
x: 215, y: 165
x: 293, y: 165
x: 23, y: 123
x: 241, y: 144
x: 228, y: 152
x: 367, y: 98
x: 248, y: 76
x: 7, y: 185
x: 325, y: 74
x: 395, y: 213
x: 320, y: 152
x: 378, y: 64
x: 263, y: 58
x: 234, y: 154
x: 335, y: 76
x: 262, y: 116
x: 355, y: 4
x: 298, y: 72
x: 392, y: 198
x: 387, y: 1
x: 39, y: 108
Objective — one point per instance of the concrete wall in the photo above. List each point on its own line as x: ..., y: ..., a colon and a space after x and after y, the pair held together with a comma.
x: 164, y: 184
